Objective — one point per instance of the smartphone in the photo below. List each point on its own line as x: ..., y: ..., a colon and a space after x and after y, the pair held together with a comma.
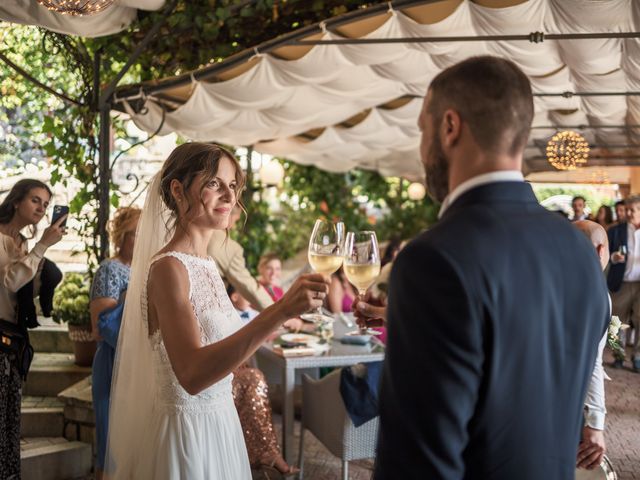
x: 60, y: 211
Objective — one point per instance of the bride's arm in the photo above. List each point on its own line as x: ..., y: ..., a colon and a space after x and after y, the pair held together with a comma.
x: 198, y: 367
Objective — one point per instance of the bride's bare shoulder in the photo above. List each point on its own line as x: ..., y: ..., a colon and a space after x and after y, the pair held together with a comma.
x: 167, y: 275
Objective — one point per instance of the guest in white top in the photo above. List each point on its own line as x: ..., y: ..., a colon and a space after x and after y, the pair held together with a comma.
x: 23, y: 207
x: 592, y: 445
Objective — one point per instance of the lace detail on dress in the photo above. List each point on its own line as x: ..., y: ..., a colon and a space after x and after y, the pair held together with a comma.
x: 217, y: 319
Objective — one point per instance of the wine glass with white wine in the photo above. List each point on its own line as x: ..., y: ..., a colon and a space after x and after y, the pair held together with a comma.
x: 325, y: 255
x: 362, y: 266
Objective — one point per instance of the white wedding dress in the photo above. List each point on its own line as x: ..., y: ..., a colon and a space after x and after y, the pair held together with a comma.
x: 193, y: 437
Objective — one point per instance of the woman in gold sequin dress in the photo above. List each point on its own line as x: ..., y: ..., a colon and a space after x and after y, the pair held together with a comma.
x: 250, y: 394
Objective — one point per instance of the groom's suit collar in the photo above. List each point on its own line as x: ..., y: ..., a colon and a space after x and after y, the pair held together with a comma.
x: 498, y: 192
x: 478, y: 180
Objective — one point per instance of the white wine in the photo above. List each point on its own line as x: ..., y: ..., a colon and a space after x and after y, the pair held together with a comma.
x: 362, y: 275
x: 326, y: 264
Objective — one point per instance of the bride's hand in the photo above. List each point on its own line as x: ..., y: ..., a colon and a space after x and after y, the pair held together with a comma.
x: 307, y: 292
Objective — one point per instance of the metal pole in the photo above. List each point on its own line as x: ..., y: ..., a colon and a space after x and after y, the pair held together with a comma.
x: 104, y: 164
x: 104, y: 102
x: 104, y: 181
x: 533, y: 37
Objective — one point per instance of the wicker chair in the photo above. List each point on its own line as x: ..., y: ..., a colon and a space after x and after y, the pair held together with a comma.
x: 324, y: 415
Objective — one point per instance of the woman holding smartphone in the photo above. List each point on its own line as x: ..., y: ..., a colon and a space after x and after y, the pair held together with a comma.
x: 23, y: 207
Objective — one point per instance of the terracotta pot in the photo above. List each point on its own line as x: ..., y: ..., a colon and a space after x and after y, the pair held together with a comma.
x: 84, y: 348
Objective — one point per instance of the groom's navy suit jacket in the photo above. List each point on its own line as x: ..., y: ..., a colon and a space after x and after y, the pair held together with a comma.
x: 495, y: 315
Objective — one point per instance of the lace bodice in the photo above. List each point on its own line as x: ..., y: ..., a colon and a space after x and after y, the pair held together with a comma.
x: 217, y: 319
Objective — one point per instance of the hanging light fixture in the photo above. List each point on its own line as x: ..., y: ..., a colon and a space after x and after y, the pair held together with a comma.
x: 416, y: 191
x: 76, y: 7
x: 271, y: 173
x: 567, y: 150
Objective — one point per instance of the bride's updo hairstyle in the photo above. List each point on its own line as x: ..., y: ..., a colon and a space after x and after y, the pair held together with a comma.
x: 186, y: 163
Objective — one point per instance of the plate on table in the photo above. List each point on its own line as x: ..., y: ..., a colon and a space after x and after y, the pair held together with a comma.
x: 303, y: 338
x: 310, y: 316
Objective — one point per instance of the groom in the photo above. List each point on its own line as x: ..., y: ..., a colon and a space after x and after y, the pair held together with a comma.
x: 496, y: 312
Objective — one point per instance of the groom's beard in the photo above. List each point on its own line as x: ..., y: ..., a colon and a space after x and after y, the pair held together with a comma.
x: 437, y: 171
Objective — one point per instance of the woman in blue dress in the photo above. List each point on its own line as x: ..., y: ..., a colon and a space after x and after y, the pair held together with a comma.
x: 109, y: 284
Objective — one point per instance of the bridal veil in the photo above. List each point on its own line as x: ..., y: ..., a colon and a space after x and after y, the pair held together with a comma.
x: 133, y: 374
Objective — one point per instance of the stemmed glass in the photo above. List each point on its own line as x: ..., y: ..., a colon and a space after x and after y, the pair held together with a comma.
x: 362, y: 266
x: 325, y: 255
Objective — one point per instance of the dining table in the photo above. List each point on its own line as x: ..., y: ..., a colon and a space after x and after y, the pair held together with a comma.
x: 337, y: 354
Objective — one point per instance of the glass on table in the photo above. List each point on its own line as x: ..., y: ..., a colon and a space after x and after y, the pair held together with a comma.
x: 325, y: 255
x: 362, y: 266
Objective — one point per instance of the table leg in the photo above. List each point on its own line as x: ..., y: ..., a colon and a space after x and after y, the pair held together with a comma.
x: 287, y: 414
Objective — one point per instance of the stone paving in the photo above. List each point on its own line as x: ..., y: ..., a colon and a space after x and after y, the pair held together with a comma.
x: 27, y: 444
x: 622, y: 431
x: 41, y: 402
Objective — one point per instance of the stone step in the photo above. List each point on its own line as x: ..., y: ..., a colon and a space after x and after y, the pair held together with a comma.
x: 79, y: 417
x: 54, y: 458
x: 51, y: 338
x: 41, y: 417
x: 51, y: 373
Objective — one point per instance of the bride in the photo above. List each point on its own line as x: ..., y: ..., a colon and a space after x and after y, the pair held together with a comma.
x: 172, y: 414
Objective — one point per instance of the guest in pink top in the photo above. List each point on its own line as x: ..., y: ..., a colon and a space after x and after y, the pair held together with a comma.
x: 269, y: 270
x: 341, y: 293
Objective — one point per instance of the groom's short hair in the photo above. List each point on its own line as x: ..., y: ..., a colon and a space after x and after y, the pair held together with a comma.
x: 492, y: 96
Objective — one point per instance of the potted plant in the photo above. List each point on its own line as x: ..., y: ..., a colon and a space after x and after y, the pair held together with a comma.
x: 71, y: 305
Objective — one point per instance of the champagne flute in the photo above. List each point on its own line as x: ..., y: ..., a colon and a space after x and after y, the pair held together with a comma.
x: 325, y: 254
x: 362, y: 266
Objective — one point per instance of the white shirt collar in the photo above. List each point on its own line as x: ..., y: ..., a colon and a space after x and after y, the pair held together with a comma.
x: 483, y: 179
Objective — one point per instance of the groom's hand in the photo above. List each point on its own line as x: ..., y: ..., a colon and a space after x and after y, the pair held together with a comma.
x: 591, y: 449
x: 369, y: 311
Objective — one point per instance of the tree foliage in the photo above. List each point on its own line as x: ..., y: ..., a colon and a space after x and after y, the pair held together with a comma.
x: 363, y: 200
x: 200, y: 32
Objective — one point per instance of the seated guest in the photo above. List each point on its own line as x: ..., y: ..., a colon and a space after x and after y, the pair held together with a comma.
x: 241, y: 304
x: 109, y: 283
x: 250, y: 395
x: 269, y: 270
x: 341, y: 293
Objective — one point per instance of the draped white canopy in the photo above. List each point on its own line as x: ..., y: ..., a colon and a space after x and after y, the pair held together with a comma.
x: 345, y: 106
x: 111, y: 20
x: 296, y: 107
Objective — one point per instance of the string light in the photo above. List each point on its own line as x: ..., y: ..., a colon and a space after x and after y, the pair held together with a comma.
x: 271, y: 173
x: 416, y: 191
x: 76, y: 7
x: 567, y: 150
